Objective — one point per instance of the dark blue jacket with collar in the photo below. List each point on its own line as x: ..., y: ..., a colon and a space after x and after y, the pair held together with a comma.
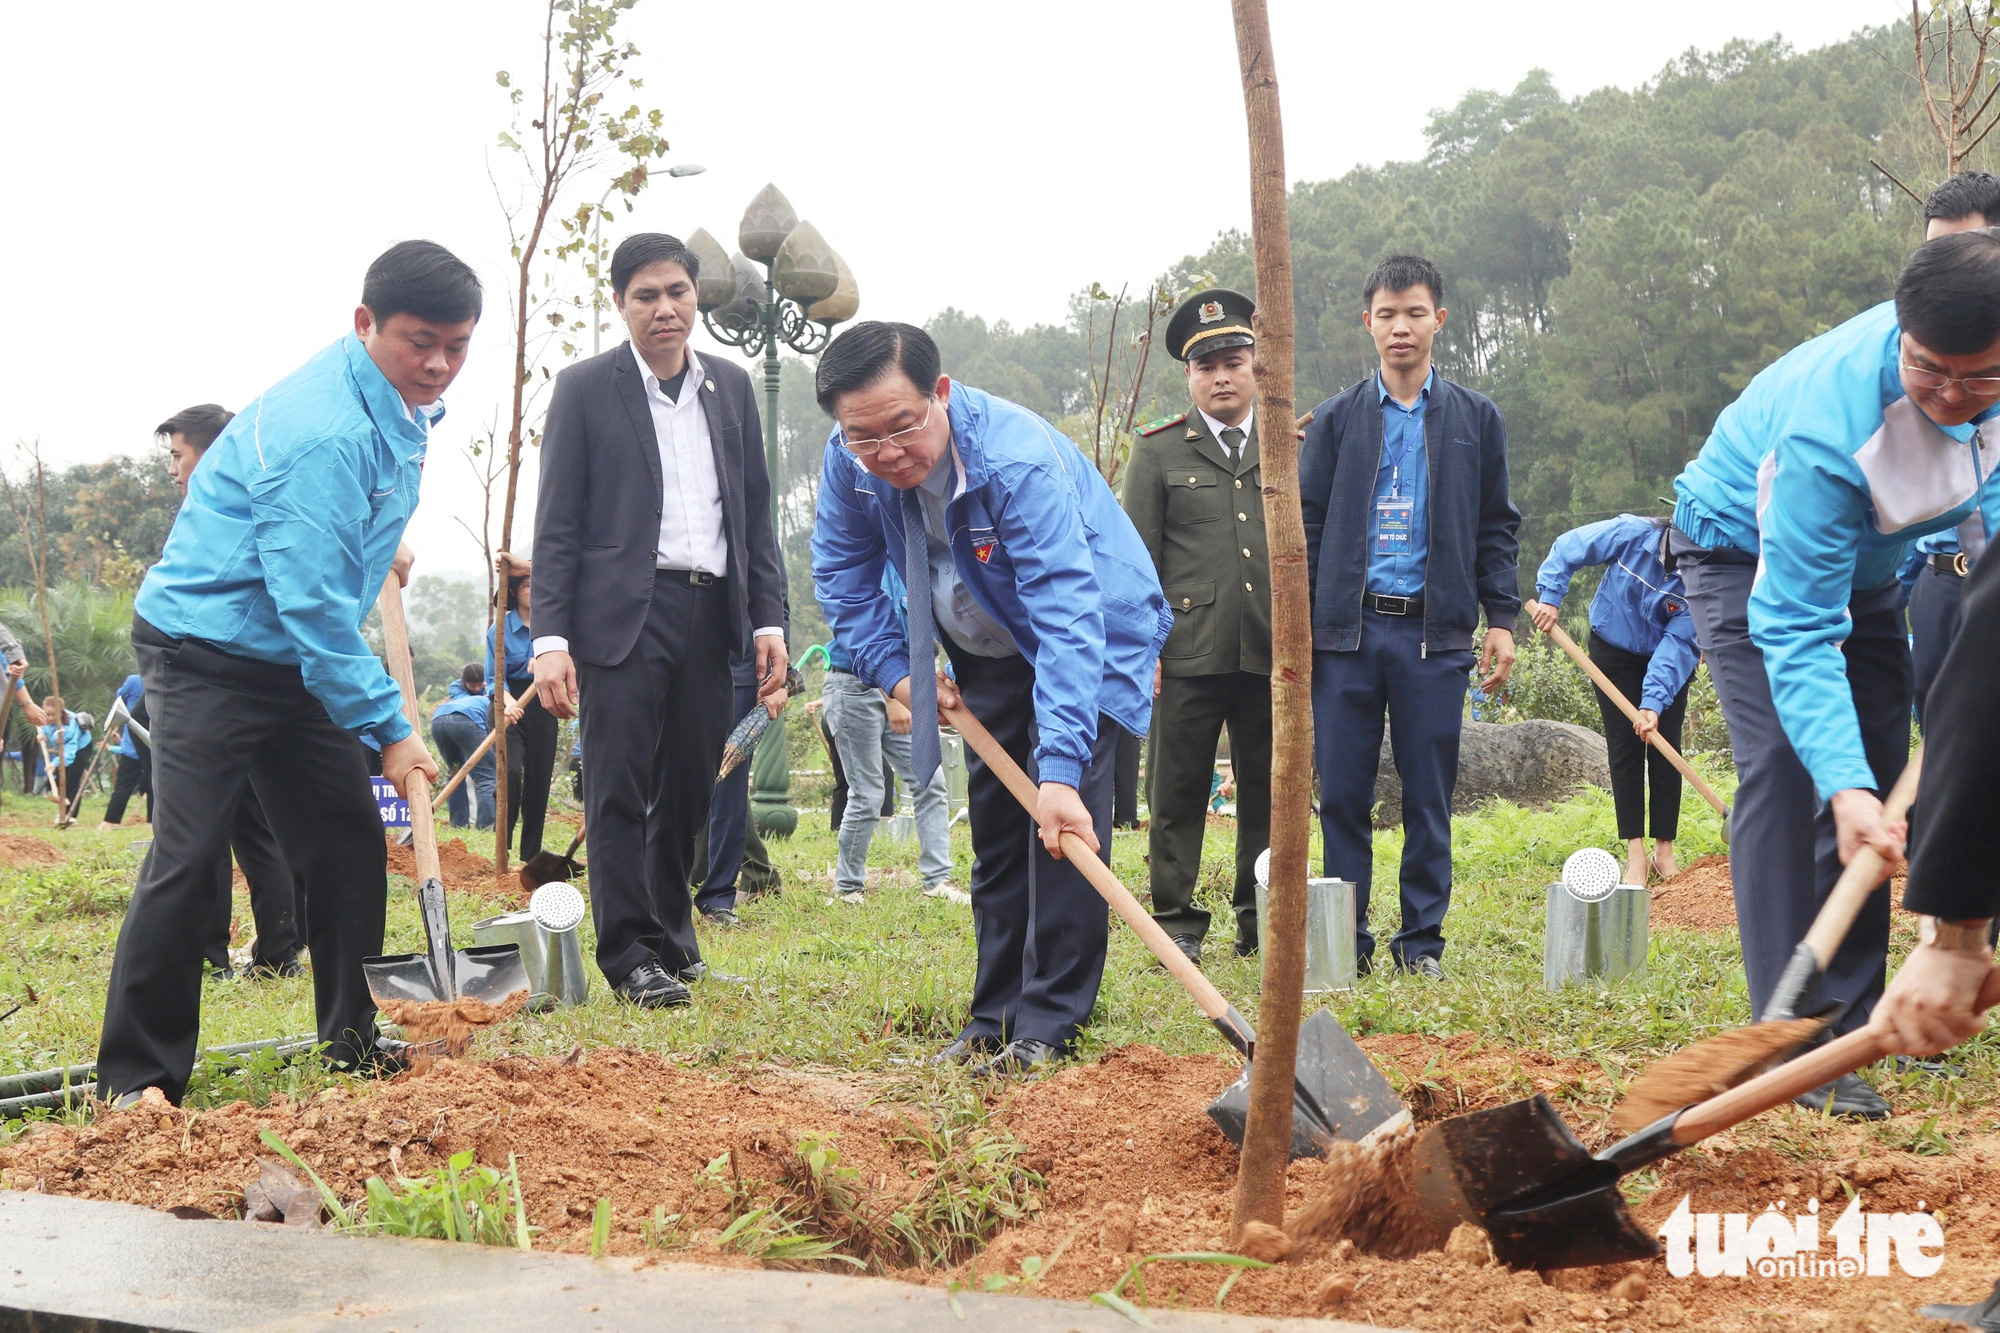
x: 1474, y: 553
x: 1042, y: 546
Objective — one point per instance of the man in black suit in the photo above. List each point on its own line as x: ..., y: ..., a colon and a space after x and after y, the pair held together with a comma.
x: 639, y: 604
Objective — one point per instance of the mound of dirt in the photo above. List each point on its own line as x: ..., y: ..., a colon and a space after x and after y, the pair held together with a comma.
x: 1699, y: 898
x: 464, y: 870
x: 1133, y: 1168
x: 17, y: 849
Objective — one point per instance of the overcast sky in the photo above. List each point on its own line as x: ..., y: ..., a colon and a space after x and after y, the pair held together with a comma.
x: 194, y: 189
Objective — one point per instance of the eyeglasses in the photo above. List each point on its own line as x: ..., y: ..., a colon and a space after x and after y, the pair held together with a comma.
x: 869, y: 448
x: 1934, y: 380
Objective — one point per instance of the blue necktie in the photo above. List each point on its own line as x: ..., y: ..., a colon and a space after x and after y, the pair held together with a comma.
x: 924, y: 754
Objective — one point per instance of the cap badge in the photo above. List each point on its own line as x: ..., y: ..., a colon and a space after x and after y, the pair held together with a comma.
x: 1210, y: 312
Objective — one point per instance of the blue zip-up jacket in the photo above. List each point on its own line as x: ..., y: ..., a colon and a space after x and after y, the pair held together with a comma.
x: 1827, y: 471
x: 71, y: 739
x: 837, y: 658
x: 520, y: 650
x: 133, y: 691
x: 289, y: 527
x: 1474, y: 554
x: 1042, y: 546
x: 475, y: 706
x: 1639, y: 606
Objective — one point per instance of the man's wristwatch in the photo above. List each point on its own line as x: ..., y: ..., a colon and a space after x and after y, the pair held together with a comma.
x: 1957, y: 936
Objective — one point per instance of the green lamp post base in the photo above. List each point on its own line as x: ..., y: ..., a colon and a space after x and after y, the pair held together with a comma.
x: 771, y: 784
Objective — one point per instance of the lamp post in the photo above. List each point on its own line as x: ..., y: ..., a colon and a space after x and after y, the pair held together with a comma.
x: 803, y: 291
x: 597, y: 248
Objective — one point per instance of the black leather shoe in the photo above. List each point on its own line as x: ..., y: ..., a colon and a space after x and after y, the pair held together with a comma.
x: 389, y: 1056
x: 962, y: 1051
x: 1848, y: 1097
x: 1018, y: 1059
x: 1189, y: 945
x: 1246, y: 943
x: 1985, y: 1315
x: 1427, y: 967
x: 650, y: 986
x: 291, y: 967
x: 721, y: 916
x: 694, y: 972
x: 1909, y: 1064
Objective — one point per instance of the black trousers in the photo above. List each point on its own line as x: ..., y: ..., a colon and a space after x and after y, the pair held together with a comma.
x: 531, y: 767
x: 221, y: 722
x: 1188, y: 718
x: 1634, y: 764
x: 277, y: 899
x: 73, y: 777
x: 1042, y: 929
x: 1125, y: 795
x: 653, y: 728
x: 134, y: 776
x: 1934, y: 619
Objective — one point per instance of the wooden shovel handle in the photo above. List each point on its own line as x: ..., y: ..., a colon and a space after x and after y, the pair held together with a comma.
x: 1665, y: 747
x: 479, y: 752
x: 1816, y: 1068
x: 396, y: 644
x: 1094, y: 869
x: 1864, y: 874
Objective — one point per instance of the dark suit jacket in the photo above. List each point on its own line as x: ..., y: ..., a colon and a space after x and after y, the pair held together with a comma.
x: 597, y: 517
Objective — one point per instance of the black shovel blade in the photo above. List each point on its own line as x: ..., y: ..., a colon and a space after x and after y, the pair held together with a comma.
x: 1544, y: 1199
x: 1337, y: 1092
x: 548, y: 868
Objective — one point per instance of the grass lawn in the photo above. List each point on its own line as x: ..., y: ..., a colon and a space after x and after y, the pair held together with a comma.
x: 868, y: 987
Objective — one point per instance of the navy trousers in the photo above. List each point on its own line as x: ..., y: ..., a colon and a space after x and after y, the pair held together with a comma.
x: 1423, y: 696
x: 719, y: 858
x: 1934, y: 615
x: 1042, y: 929
x: 1783, y: 856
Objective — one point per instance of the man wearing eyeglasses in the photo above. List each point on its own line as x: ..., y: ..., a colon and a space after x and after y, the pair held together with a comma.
x: 1020, y: 562
x: 1790, y: 526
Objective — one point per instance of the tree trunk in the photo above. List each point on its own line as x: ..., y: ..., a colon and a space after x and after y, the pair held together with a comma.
x: 58, y: 777
x: 1267, y: 1135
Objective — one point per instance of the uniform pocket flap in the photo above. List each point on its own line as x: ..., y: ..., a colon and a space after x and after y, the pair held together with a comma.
x: 1187, y: 479
x: 1187, y: 596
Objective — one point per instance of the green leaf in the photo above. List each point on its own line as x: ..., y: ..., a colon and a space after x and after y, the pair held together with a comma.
x: 600, y: 1229
x: 1112, y: 1301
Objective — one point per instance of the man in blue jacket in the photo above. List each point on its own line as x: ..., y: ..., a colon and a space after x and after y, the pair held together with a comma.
x: 1017, y: 556
x: 1790, y: 526
x: 248, y: 634
x: 1409, y: 534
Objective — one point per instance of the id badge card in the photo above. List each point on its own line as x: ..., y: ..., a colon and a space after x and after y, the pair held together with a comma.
x: 1393, y: 515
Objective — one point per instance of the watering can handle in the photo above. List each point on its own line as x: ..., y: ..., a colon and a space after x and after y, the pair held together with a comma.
x: 1219, y: 1011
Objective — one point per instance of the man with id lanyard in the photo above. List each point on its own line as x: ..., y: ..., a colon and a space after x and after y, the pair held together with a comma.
x: 1409, y: 535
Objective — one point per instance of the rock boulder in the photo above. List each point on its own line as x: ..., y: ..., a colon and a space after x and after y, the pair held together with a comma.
x: 1536, y: 762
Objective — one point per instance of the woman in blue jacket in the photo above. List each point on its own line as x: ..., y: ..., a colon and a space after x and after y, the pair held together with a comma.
x: 1642, y: 637
x: 68, y: 745
x: 531, y: 729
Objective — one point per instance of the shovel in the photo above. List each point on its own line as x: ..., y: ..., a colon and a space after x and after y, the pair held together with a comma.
x: 488, y: 972
x: 1337, y: 1093
x: 1798, y: 1010
x: 464, y: 769
x: 1548, y: 1202
x: 548, y: 868
x: 1661, y: 743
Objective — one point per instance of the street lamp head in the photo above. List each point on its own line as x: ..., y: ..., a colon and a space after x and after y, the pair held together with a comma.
x: 769, y: 219
x: 739, y: 312
x: 803, y: 270
x: 686, y: 169
x: 717, y: 283
x: 840, y: 306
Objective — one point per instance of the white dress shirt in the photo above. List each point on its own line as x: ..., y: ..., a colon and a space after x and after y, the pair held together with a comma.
x: 1216, y: 428
x: 691, y: 535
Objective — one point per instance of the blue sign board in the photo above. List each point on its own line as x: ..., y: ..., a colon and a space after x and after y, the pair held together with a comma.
x: 395, y: 810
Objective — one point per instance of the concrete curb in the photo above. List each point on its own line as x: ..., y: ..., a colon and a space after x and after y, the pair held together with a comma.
x: 81, y: 1264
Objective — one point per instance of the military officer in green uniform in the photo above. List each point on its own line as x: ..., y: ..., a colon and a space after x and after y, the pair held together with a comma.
x: 1193, y: 492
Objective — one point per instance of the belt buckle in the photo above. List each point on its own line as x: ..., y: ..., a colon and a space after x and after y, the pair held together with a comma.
x: 700, y: 578
x: 1959, y: 564
x: 1402, y: 607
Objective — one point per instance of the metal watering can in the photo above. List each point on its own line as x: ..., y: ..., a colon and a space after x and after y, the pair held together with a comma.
x: 1597, y: 928
x: 550, y: 950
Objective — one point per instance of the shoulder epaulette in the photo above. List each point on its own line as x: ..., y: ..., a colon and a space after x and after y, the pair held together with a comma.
x: 1155, y: 427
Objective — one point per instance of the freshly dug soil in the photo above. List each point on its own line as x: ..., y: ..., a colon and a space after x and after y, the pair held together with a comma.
x: 1133, y: 1168
x: 17, y: 849
x: 464, y: 870
x: 1699, y: 898
x: 449, y: 1021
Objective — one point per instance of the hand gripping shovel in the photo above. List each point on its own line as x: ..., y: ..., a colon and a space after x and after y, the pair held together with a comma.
x: 1337, y: 1092
x: 1548, y: 1202
x: 1661, y: 743
x: 491, y: 972
x: 1798, y: 1010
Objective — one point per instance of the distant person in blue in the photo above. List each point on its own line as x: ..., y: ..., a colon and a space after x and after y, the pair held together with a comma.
x: 67, y: 743
x: 248, y: 634
x: 1967, y: 201
x: 135, y: 758
x: 1790, y: 527
x: 458, y: 725
x: 531, y: 728
x: 1410, y: 535
x: 1020, y: 562
x: 1642, y: 637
